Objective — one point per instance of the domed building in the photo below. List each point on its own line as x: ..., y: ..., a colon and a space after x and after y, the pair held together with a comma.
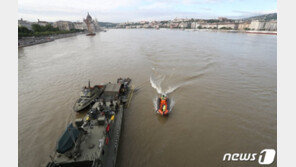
x: 92, y: 25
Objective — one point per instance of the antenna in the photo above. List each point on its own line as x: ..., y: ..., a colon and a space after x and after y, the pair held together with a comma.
x: 88, y: 83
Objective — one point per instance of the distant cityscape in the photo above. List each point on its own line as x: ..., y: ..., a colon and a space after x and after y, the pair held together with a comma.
x: 262, y: 23
x: 259, y: 23
x: 61, y: 25
x: 31, y: 33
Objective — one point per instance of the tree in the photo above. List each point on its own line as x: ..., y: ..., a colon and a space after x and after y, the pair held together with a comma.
x: 22, y: 29
x: 37, y: 28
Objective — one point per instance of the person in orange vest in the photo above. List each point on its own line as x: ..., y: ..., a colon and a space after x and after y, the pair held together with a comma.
x: 163, y: 100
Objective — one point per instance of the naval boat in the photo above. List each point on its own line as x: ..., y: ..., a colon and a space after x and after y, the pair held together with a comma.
x: 93, y: 141
x: 87, y: 96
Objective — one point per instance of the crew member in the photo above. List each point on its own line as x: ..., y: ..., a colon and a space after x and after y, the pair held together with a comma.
x: 163, y: 99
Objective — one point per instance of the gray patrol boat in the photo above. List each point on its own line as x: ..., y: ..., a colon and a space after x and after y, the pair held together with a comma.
x: 92, y: 141
x: 87, y: 96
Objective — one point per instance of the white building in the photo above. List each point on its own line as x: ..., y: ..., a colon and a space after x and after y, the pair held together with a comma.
x: 228, y: 26
x: 244, y: 25
x: 63, y: 25
x: 195, y: 25
x: 23, y: 23
x: 42, y: 23
x: 271, y: 25
x: 257, y: 25
x: 209, y: 25
x: 183, y: 25
x: 79, y: 26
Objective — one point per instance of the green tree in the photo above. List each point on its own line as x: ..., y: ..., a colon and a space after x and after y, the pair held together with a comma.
x: 22, y: 29
x: 37, y: 28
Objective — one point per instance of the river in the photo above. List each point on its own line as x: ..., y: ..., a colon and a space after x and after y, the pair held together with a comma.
x: 223, y: 87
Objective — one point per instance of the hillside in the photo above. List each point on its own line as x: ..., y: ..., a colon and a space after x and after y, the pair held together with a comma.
x: 265, y: 17
x: 107, y: 24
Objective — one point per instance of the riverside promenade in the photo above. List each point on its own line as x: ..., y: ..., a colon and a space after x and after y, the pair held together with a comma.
x: 29, y: 41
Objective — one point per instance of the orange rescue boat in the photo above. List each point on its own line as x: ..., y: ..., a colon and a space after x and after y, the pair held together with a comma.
x: 163, y: 104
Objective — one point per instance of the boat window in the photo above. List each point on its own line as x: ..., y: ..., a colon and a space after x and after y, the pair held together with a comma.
x: 85, y: 93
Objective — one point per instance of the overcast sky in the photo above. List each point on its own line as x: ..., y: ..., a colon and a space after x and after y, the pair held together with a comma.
x: 136, y: 10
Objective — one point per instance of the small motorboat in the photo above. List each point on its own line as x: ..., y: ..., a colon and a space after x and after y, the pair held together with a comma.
x: 87, y: 96
x: 163, y: 105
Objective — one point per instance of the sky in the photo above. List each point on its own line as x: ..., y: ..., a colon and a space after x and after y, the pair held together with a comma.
x: 137, y: 10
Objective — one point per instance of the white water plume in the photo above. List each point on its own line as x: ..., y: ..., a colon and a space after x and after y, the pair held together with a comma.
x: 156, y: 85
x: 155, y: 104
x: 172, y: 104
x: 171, y: 89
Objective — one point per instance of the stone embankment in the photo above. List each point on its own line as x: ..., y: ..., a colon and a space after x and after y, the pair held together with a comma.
x: 28, y: 41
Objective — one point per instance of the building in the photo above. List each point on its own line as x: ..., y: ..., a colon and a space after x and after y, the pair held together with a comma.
x: 178, y: 20
x: 196, y: 25
x: 23, y: 23
x: 92, y: 25
x: 143, y: 22
x: 271, y: 25
x: 79, y: 25
x: 244, y: 26
x: 184, y: 25
x: 96, y: 25
x: 42, y: 23
x: 209, y: 25
x: 147, y: 26
x: 193, y: 25
x: 174, y: 25
x: 222, y: 19
x: 257, y: 25
x: 232, y: 26
x: 120, y: 25
x: 63, y: 25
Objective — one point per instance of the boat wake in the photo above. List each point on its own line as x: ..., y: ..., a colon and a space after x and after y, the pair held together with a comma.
x: 156, y: 84
x: 155, y: 103
x: 172, y: 104
x: 156, y: 81
x: 171, y: 89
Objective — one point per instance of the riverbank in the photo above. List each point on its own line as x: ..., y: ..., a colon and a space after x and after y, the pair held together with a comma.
x: 214, y: 30
x: 29, y: 41
x: 241, y: 31
x: 262, y: 32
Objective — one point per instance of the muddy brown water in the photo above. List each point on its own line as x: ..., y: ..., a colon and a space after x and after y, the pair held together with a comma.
x: 223, y: 88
